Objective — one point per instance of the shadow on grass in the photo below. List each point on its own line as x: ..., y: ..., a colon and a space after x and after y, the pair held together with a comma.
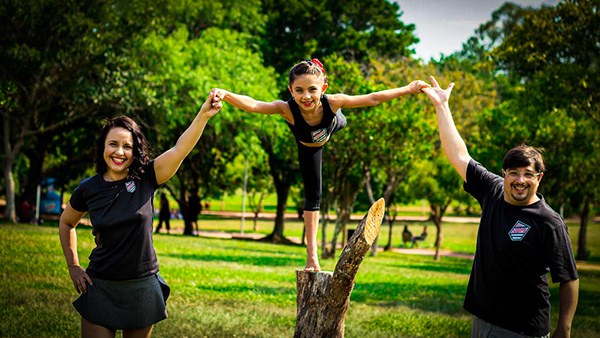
x: 274, y: 251
x: 455, y: 265
x: 446, y: 299
x: 247, y: 289
x: 258, y: 260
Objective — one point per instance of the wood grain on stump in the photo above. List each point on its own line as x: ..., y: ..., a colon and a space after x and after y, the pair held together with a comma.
x: 323, y: 297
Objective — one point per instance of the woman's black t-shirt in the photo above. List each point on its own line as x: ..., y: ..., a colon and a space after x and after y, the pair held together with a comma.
x: 121, y: 214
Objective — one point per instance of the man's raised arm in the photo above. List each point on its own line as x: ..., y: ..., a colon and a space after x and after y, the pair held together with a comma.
x: 454, y: 146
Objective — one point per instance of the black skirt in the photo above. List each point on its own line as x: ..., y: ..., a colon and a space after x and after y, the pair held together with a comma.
x: 124, y: 305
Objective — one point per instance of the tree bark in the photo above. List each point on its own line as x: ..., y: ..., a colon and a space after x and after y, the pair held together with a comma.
x: 583, y: 225
x: 323, y: 297
x: 437, y: 212
x: 10, y: 212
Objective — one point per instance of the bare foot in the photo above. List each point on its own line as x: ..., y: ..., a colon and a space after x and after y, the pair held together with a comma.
x: 312, y: 263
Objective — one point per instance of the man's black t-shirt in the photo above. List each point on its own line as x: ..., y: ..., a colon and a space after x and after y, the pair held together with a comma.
x: 516, y: 247
x: 121, y: 214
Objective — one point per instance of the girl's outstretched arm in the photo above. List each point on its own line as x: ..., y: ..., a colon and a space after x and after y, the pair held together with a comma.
x: 167, y: 163
x: 246, y: 103
x: 375, y: 98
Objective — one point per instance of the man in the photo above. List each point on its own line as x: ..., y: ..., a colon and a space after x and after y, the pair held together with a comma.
x: 520, y: 239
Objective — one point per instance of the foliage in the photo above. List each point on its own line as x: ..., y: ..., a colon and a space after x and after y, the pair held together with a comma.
x: 551, y: 57
x: 305, y: 29
x: 54, y: 55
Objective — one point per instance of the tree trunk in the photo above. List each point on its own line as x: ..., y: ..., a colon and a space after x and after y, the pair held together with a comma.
x: 336, y: 231
x: 437, y: 212
x: 283, y: 190
x: 10, y: 212
x: 188, y: 227
x: 324, y: 223
x: 388, y: 247
x: 582, y: 240
x: 323, y: 297
x: 438, y: 241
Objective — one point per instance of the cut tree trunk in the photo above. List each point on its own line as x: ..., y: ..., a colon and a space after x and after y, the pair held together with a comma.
x: 323, y: 297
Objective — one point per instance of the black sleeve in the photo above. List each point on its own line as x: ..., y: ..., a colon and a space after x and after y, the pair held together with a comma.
x: 151, y: 175
x: 480, y: 181
x: 560, y: 253
x: 78, y: 201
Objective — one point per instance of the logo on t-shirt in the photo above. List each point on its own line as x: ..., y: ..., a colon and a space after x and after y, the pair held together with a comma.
x: 319, y: 135
x: 518, y: 231
x: 130, y: 186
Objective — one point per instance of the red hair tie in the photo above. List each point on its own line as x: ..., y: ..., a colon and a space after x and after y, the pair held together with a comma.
x: 318, y: 64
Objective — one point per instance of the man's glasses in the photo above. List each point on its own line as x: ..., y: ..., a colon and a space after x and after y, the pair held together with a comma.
x: 513, y: 174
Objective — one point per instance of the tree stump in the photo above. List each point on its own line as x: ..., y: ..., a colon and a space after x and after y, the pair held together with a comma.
x: 323, y: 297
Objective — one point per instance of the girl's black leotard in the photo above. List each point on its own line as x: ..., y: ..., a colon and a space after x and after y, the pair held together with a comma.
x: 311, y: 158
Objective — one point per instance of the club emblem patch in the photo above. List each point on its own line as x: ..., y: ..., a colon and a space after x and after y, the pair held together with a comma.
x: 319, y: 135
x: 518, y: 231
x: 130, y: 186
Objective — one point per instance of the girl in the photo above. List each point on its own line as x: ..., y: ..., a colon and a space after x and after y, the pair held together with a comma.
x: 313, y: 117
x: 121, y: 286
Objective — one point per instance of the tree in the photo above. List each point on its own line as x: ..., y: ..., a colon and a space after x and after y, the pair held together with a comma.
x: 436, y: 181
x: 406, y: 137
x: 259, y: 180
x: 353, y: 29
x: 557, y: 87
x: 53, y: 59
x: 180, y: 73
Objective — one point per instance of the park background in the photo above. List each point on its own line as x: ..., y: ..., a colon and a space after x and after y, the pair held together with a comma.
x: 526, y: 75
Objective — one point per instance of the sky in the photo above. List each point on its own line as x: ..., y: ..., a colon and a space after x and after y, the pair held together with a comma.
x: 443, y: 25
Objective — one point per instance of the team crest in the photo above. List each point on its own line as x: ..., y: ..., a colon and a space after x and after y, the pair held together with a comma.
x: 319, y: 135
x: 518, y: 231
x: 130, y: 186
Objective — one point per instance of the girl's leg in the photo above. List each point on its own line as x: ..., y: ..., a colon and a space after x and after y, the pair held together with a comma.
x: 310, y: 160
x: 311, y: 223
x: 89, y: 329
x: 138, y: 333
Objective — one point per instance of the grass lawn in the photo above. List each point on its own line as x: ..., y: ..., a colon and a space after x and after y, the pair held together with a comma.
x: 227, y: 288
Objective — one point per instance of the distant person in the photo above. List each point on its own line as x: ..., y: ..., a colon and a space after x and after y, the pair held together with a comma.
x: 520, y: 238
x: 406, y: 236
x: 421, y: 238
x: 194, y: 208
x: 24, y: 212
x: 121, y: 288
x: 164, y: 214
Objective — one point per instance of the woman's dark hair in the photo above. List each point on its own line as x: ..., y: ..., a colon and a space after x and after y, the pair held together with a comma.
x: 306, y: 67
x: 141, y: 149
x: 524, y: 156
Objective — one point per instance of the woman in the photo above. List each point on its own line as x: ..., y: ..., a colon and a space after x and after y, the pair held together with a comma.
x: 121, y: 288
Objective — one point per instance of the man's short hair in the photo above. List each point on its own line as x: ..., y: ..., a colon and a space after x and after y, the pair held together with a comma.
x: 524, y: 156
